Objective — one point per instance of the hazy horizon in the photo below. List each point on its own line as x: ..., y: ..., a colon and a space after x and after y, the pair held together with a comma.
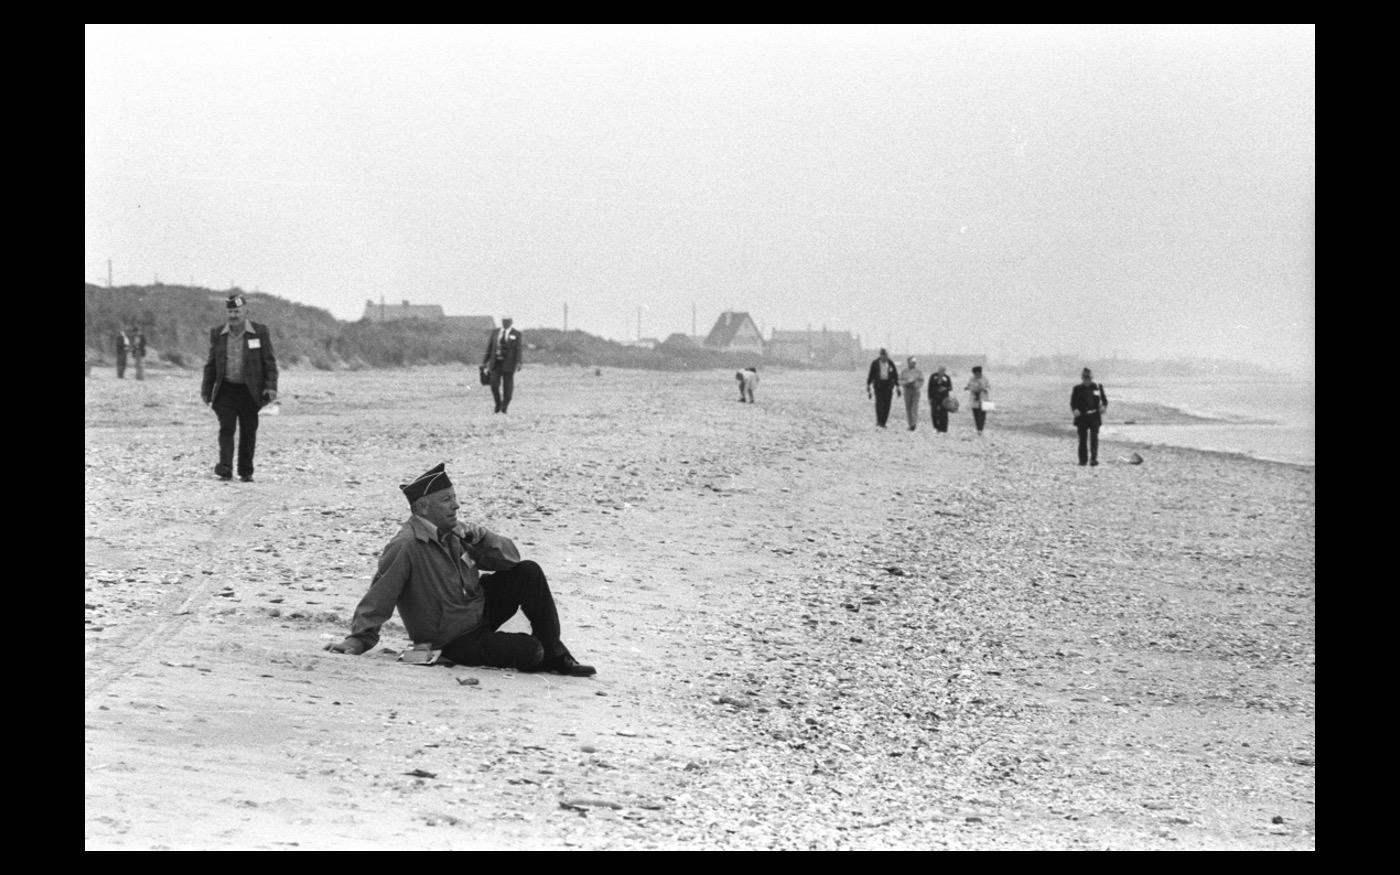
x: 1018, y: 191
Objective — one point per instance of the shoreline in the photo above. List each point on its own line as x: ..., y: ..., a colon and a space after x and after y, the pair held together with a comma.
x: 1068, y: 432
x: 1149, y: 414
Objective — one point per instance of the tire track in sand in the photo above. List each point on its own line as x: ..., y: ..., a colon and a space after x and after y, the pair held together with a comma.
x: 132, y: 647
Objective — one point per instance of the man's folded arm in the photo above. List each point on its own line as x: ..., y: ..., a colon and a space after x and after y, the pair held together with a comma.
x: 491, y: 551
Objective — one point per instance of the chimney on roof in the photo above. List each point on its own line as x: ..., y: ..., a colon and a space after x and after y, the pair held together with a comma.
x: 405, y: 302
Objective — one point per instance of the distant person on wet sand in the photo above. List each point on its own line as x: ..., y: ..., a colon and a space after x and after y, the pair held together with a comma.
x: 981, y: 389
x: 747, y: 379
x: 882, y: 380
x: 940, y: 389
x: 240, y: 376
x: 501, y: 361
x: 912, y: 380
x: 431, y: 572
x: 1088, y: 400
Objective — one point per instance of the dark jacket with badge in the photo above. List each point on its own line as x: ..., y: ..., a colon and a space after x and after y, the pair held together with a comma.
x: 873, y: 378
x: 504, y: 357
x: 259, y: 363
x: 1091, y: 401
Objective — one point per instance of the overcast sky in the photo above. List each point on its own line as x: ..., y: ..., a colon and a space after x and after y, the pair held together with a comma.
x: 1014, y: 191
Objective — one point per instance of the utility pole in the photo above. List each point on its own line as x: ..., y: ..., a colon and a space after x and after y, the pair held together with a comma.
x: 109, y: 273
x: 566, y: 317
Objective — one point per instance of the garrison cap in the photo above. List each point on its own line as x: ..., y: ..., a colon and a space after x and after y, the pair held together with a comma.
x: 235, y: 300
x: 432, y: 480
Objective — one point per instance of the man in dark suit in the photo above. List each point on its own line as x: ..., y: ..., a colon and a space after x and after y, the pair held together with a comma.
x: 501, y: 361
x: 884, y: 379
x: 240, y: 376
x: 138, y: 350
x: 1088, y: 400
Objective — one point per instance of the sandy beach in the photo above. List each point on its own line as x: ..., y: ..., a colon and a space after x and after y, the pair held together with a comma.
x: 810, y: 633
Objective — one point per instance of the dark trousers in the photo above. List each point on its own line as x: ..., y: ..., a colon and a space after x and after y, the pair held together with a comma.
x: 883, y: 394
x: 979, y: 416
x: 236, y: 408
x: 522, y: 588
x: 940, y: 416
x: 1088, y: 438
x: 121, y: 365
x: 502, y: 386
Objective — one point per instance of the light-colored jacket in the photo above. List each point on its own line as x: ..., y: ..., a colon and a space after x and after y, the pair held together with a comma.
x: 912, y: 380
x: 981, y: 389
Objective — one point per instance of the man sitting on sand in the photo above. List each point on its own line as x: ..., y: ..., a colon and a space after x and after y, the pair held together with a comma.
x: 429, y: 571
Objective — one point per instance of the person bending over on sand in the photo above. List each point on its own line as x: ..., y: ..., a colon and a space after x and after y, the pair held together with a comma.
x: 883, y: 379
x: 1088, y: 400
x: 912, y: 380
x: 430, y: 571
x: 748, y: 379
x: 981, y: 389
x: 940, y: 387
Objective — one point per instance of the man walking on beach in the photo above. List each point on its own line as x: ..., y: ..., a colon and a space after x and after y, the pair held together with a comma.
x: 138, y: 351
x: 1088, y: 401
x: 981, y: 389
x: 884, y: 380
x: 430, y: 572
x: 940, y: 388
x: 502, y: 360
x: 912, y: 380
x: 123, y: 344
x: 240, y: 376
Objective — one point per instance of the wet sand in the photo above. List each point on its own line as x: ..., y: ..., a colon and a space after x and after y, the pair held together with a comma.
x: 810, y: 633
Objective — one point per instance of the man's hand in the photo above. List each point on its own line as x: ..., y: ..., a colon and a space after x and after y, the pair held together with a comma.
x: 897, y: 393
x: 352, y: 646
x: 269, y: 395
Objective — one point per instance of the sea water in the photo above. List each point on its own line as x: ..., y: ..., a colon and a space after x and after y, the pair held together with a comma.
x: 1272, y: 419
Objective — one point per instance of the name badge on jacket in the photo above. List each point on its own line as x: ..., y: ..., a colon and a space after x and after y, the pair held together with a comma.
x: 255, y: 343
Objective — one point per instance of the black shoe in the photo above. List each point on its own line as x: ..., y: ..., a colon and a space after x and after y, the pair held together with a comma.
x: 565, y: 664
x: 246, y: 478
x: 1095, y: 463
x: 224, y: 471
x: 1082, y: 464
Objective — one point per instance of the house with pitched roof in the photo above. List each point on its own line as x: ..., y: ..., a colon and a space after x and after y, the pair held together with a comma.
x: 735, y: 332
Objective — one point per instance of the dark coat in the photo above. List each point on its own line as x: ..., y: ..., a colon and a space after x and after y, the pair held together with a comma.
x: 510, y: 351
x: 874, y: 377
x: 940, y: 386
x: 1092, y: 400
x: 259, y: 364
